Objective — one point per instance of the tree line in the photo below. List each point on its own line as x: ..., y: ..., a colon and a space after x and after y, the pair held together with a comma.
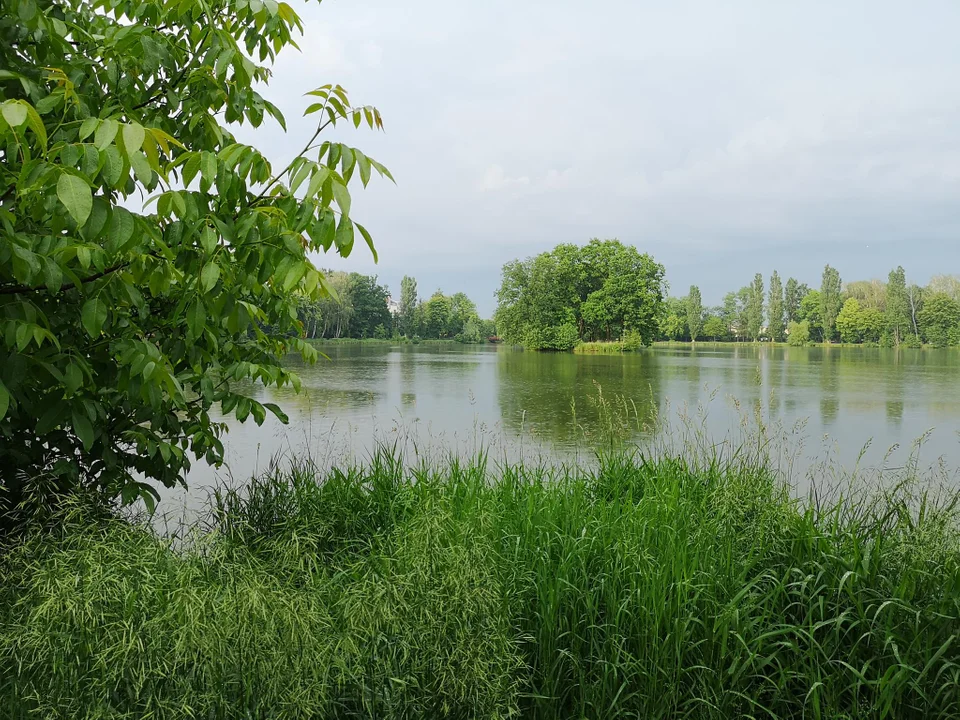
x: 894, y: 313
x: 358, y: 306
x: 608, y: 291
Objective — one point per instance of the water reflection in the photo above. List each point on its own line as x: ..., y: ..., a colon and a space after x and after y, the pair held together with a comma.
x: 463, y: 397
x: 564, y: 397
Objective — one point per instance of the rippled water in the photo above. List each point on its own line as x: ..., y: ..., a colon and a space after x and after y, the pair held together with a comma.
x: 826, y: 404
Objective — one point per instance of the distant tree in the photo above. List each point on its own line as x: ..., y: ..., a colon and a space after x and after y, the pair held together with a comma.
x: 948, y: 285
x: 715, y: 327
x: 869, y: 293
x: 694, y: 313
x: 831, y: 301
x: 915, y: 296
x: 775, y: 312
x: 673, y: 326
x: 336, y: 309
x: 735, y: 311
x: 898, y: 306
x: 471, y: 332
x: 940, y: 320
x: 462, y: 311
x: 309, y: 315
x: 436, y: 316
x: 369, y: 301
x: 857, y: 323
x: 602, y: 290
x: 408, y: 305
x: 798, y: 333
x: 755, y: 308
x: 848, y: 321
x: 810, y: 311
x: 791, y: 301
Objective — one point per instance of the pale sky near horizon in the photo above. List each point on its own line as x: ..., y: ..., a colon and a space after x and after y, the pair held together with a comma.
x: 724, y: 139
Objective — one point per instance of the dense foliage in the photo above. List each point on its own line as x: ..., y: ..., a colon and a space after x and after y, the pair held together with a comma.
x: 890, y: 314
x: 356, y: 308
x: 124, y: 324
x: 644, y: 590
x: 359, y: 307
x: 603, y: 290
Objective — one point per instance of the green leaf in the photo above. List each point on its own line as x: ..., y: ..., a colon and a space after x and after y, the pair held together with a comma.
x: 208, y: 239
x: 209, y: 275
x: 14, y: 112
x: 88, y: 127
x: 133, y: 136
x: 93, y: 315
x: 342, y: 196
x: 196, y: 319
x: 275, y: 409
x: 364, y: 164
x: 369, y: 240
x: 316, y: 181
x: 141, y: 166
x: 76, y: 197
x: 344, y: 238
x: 105, y: 133
x: 83, y: 428
x: 73, y: 378
x: 208, y: 170
x: 4, y: 400
x: 190, y: 169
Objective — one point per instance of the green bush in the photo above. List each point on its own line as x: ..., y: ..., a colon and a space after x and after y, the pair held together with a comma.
x: 798, y: 333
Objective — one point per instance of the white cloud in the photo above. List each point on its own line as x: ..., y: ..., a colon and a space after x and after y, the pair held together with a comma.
x: 496, y: 179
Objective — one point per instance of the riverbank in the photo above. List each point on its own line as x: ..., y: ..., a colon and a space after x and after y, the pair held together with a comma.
x: 655, y: 589
x: 616, y: 347
x: 391, y: 341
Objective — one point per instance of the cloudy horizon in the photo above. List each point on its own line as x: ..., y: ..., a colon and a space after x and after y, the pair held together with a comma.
x: 724, y: 139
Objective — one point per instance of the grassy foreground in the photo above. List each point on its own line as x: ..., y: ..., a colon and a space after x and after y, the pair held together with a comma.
x: 647, y: 589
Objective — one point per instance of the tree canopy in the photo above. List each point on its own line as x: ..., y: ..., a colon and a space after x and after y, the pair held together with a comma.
x: 124, y: 327
x: 599, y: 291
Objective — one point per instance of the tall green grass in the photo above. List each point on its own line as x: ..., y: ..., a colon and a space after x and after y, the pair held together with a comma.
x: 649, y: 588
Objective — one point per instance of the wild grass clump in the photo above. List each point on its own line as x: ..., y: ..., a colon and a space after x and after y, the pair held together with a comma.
x: 649, y: 588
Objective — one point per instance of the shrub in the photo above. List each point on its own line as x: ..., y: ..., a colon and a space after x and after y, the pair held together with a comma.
x: 798, y: 333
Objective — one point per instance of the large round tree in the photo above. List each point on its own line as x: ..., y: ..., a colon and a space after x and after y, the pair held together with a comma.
x: 124, y: 325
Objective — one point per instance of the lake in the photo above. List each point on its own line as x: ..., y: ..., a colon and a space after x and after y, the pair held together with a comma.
x: 822, y: 406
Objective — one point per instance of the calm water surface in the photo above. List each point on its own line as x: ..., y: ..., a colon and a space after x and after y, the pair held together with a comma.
x: 826, y: 401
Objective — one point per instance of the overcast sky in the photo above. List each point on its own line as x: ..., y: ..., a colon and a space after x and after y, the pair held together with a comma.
x: 724, y: 138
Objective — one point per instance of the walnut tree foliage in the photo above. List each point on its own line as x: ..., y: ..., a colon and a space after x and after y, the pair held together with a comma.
x: 151, y: 265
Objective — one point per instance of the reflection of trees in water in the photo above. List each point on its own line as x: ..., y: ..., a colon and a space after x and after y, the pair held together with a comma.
x: 539, y: 393
x: 829, y: 384
x: 895, y: 387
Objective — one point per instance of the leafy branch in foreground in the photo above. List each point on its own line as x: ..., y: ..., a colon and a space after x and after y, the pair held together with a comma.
x: 123, y: 331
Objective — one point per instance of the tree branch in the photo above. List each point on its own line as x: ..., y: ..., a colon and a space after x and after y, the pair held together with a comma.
x: 20, y: 289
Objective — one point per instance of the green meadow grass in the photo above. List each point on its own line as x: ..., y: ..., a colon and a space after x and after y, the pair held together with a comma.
x: 649, y: 588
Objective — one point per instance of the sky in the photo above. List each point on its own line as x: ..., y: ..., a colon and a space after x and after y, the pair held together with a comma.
x: 724, y: 139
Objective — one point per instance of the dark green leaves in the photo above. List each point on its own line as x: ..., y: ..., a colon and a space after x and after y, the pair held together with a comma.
x: 344, y: 237
x: 93, y: 315
x: 209, y: 276
x: 76, y: 197
x: 4, y: 399
x: 83, y: 428
x: 196, y: 319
